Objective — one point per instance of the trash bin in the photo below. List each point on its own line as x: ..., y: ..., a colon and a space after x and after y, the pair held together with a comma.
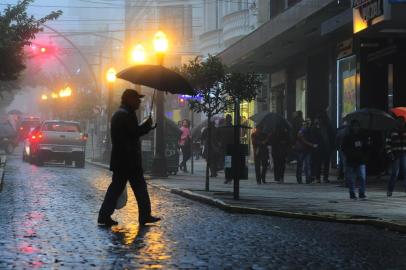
x: 172, y: 135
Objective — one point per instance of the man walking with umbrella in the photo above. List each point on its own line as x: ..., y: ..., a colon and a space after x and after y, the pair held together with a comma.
x: 126, y: 160
x: 355, y: 148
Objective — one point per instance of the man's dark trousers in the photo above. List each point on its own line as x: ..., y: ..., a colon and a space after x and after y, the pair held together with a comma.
x: 139, y: 187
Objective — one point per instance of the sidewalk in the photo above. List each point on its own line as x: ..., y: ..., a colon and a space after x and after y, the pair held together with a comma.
x: 329, y: 202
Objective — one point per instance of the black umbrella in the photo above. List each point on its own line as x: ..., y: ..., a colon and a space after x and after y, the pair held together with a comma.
x: 271, y: 121
x: 16, y: 112
x: 157, y: 77
x: 258, y: 117
x: 372, y: 119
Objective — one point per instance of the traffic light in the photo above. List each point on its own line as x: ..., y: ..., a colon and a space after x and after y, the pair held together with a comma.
x: 40, y: 50
x: 181, y: 101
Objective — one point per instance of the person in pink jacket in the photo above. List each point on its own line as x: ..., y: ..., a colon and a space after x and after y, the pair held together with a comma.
x: 185, y: 142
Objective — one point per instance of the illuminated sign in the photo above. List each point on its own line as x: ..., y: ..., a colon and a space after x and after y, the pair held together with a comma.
x: 366, y: 13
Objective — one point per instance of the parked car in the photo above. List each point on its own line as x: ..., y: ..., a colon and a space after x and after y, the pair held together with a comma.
x: 8, y: 137
x: 26, y: 125
x: 57, y: 140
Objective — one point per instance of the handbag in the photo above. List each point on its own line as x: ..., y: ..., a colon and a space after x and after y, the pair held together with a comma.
x: 122, y: 200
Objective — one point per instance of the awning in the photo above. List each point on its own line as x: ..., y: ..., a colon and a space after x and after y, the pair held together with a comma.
x: 289, y: 33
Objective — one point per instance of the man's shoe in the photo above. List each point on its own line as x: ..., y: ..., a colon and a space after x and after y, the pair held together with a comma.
x: 107, y: 222
x: 352, y: 196
x: 150, y: 219
x: 362, y: 196
x: 389, y: 193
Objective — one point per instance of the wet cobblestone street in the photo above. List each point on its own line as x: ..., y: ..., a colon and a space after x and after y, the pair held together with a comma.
x: 48, y: 221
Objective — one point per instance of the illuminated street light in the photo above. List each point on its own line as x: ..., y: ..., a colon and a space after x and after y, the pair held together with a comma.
x: 111, y: 78
x: 43, y: 49
x: 54, y: 95
x: 111, y: 75
x: 67, y: 92
x: 44, y: 97
x: 138, y: 54
x: 160, y: 42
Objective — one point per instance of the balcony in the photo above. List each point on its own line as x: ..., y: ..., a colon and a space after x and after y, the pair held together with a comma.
x: 210, y: 42
x: 235, y: 26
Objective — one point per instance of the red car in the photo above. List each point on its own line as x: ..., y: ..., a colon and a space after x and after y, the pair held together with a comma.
x: 26, y: 125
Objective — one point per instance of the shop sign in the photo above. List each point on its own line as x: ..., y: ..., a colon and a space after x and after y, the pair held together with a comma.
x: 345, y: 48
x: 369, y: 9
x: 366, y: 13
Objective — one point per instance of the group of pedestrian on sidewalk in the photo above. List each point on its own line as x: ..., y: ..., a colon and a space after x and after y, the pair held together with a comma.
x: 314, y: 145
x: 309, y: 142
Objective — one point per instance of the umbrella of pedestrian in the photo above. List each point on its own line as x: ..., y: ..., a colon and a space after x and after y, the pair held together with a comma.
x: 157, y: 77
x: 372, y: 119
x: 270, y: 121
x: 399, y: 111
x: 16, y: 112
x: 258, y: 117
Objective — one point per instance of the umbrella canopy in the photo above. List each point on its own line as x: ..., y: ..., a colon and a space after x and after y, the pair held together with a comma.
x: 372, y: 119
x: 270, y: 121
x: 399, y: 111
x: 258, y: 116
x: 157, y: 77
x: 16, y: 112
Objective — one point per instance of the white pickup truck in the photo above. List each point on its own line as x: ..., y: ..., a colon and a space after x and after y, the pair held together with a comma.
x: 58, y: 140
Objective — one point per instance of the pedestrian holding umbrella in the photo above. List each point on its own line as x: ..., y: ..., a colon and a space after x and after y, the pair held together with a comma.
x: 372, y: 119
x: 270, y: 121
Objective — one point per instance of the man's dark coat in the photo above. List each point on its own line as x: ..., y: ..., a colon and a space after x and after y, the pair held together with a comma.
x: 126, y: 158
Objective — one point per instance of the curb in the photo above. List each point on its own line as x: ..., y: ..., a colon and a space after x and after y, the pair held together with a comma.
x: 3, y: 160
x: 379, y: 223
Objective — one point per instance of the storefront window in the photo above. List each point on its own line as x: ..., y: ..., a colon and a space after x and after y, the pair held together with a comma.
x: 346, y: 87
x: 301, y: 95
x: 247, y: 110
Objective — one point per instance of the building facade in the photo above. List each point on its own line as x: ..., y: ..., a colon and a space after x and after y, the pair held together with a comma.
x: 328, y: 56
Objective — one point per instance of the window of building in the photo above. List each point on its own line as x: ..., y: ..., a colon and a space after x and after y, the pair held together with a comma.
x: 346, y: 87
x: 301, y: 95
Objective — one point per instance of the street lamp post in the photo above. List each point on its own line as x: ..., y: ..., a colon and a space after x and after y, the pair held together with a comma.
x: 159, y: 165
x: 138, y: 57
x: 111, y: 78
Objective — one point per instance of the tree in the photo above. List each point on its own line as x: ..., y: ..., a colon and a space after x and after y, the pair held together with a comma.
x: 216, y: 90
x: 17, y: 29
